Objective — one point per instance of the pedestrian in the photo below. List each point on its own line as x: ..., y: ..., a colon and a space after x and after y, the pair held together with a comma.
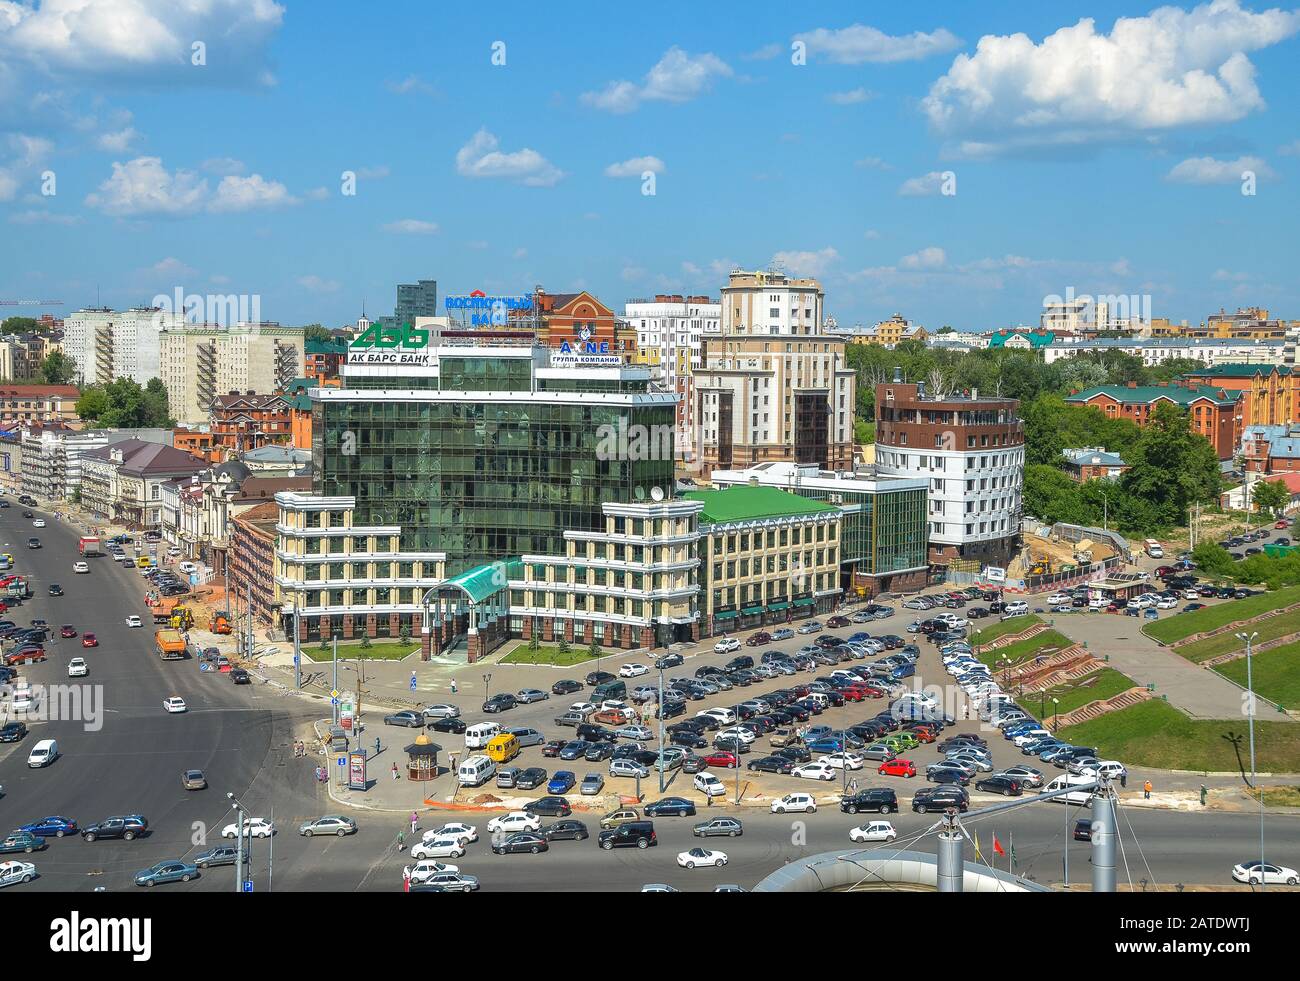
x: 1146, y: 790
x: 406, y: 878
x: 401, y: 839
x: 1123, y: 778
x: 415, y: 820
x: 454, y: 689
x: 395, y: 774
x: 376, y: 745
x: 709, y: 800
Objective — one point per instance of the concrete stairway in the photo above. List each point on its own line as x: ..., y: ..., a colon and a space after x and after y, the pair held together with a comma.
x: 1100, y: 707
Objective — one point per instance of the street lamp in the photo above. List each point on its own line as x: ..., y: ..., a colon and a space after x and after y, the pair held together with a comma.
x: 1056, y: 718
x: 240, y: 810
x: 1249, y: 640
x: 487, y: 686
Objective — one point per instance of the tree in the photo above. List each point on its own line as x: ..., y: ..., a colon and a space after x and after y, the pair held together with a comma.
x: 1270, y: 496
x: 864, y: 432
x: 1213, y: 559
x: 945, y: 329
x: 123, y: 404
x: 19, y: 325
x: 58, y: 368
x: 1171, y: 466
x: 315, y: 332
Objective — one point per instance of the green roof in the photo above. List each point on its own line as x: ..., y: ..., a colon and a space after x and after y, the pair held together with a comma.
x: 333, y: 346
x: 753, y: 504
x: 1144, y: 394
x: 483, y: 580
x: 1036, y: 338
x: 1238, y: 370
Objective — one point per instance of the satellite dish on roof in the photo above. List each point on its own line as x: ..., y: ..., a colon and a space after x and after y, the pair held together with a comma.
x: 657, y: 493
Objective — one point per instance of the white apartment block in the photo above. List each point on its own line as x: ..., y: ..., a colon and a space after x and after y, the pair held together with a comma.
x: 110, y: 344
x: 1153, y: 351
x: 669, y: 329
x: 770, y: 302
x: 1070, y: 315
x: 200, y: 363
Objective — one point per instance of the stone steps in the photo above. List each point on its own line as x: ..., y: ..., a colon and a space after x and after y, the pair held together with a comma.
x: 1100, y: 707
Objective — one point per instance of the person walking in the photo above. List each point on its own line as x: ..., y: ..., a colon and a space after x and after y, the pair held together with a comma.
x: 415, y: 820
x: 406, y: 878
x: 454, y: 689
x: 395, y: 774
x: 1146, y: 790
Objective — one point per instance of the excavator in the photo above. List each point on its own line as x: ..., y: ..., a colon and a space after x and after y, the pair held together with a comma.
x: 220, y: 622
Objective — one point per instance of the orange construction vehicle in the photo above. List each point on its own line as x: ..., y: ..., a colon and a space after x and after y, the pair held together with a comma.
x: 170, y: 644
x: 219, y: 623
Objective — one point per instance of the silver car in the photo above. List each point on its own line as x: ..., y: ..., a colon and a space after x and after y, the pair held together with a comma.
x: 442, y: 711
x: 592, y: 784
x: 526, y: 696
x: 331, y: 824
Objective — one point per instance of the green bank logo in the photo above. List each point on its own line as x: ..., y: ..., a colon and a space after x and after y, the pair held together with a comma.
x: 389, y: 336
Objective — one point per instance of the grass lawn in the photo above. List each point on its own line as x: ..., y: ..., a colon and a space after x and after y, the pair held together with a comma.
x: 1270, y: 629
x: 1023, y: 650
x: 382, y: 651
x: 1012, y: 626
x: 548, y: 654
x: 1156, y: 734
x: 1186, y: 624
x: 1276, y: 674
x: 1075, y: 694
x: 1279, y: 796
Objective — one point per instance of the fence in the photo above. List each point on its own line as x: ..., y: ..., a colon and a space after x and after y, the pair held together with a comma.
x: 1034, y: 584
x: 1077, y: 533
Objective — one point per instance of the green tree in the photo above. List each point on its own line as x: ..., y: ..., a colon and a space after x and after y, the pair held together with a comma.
x: 1171, y: 466
x: 93, y: 404
x: 123, y: 404
x: 864, y: 432
x: 1213, y: 559
x: 18, y: 325
x: 57, y: 368
x: 1270, y: 496
x: 315, y: 332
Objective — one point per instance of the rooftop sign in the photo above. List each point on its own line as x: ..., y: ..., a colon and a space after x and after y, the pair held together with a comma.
x: 488, y: 311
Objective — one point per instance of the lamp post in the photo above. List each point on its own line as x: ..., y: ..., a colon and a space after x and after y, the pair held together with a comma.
x: 659, y: 762
x: 1056, y: 717
x: 487, y: 686
x: 240, y: 810
x: 1249, y: 640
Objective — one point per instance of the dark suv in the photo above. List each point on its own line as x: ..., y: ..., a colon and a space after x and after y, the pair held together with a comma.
x: 640, y: 834
x: 499, y: 703
x: 940, y: 799
x: 882, y: 799
x: 127, y: 827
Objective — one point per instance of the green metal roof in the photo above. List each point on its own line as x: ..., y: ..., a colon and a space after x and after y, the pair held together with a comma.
x: 1238, y: 370
x: 1177, y: 394
x: 1037, y: 339
x: 753, y: 504
x: 482, y: 581
x: 335, y: 345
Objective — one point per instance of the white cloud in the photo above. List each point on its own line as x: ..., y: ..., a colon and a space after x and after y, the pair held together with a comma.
x: 119, y: 142
x: 144, y: 187
x: 520, y: 253
x: 807, y: 263
x: 1291, y: 149
x: 480, y: 158
x: 871, y: 163
x: 1209, y: 170
x: 630, y: 274
x: 25, y: 155
x: 171, y: 266
x: 411, y: 226
x: 218, y: 279
x: 1227, y: 276
x: 317, y: 194
x: 923, y: 186
x: 411, y: 84
x: 677, y: 77
x: 635, y: 167
x: 318, y: 285
x: 223, y: 166
x: 859, y: 44
x: 42, y: 217
x: 850, y: 98
x: 247, y: 193
x: 871, y: 235
x: 1171, y: 68
x: 766, y: 53
x: 931, y: 257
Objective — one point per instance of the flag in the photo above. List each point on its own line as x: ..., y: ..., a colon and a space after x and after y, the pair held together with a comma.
x: 1013, y: 850
x: 978, y: 856
x: 997, y: 845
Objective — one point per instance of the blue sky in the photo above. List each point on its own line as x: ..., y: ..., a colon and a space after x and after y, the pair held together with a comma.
x: 1097, y: 157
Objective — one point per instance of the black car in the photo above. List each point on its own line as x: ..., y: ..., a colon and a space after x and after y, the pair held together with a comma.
x: 531, y: 778
x: 521, y: 842
x: 126, y: 827
x: 738, y: 663
x: 599, y: 677
x: 456, y: 726
x: 565, y: 831
x: 28, y: 514
x: 672, y: 708
x: 1006, y: 786
x: 881, y: 799
x: 550, y: 806
x: 771, y: 764
x: 240, y: 677
x: 56, y: 589
x: 795, y: 754
x: 689, y: 738
x: 33, y: 543
x: 669, y: 661
x: 499, y: 703
x: 566, y: 687
x: 639, y: 834
x: 11, y: 732
x: 670, y: 806
x: 1083, y: 829
x: 940, y: 799
x: 598, y: 752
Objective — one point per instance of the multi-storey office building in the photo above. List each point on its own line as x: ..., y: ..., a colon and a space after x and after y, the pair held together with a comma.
x: 972, y: 451
x: 883, y: 526
x: 200, y: 364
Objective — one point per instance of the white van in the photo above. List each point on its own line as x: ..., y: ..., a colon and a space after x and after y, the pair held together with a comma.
x: 43, y: 753
x: 475, y: 771
x: 1078, y: 797
x: 477, y: 737
x: 1016, y: 609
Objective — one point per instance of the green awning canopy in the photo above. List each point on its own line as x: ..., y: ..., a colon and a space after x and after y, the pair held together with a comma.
x: 778, y: 607
x: 806, y: 601
x: 752, y: 611
x: 726, y: 615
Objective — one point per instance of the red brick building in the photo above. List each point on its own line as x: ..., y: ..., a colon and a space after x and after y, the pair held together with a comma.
x: 1212, y: 411
x: 580, y: 318
x: 247, y: 421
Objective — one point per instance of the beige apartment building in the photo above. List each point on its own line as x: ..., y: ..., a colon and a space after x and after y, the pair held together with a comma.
x: 197, y: 364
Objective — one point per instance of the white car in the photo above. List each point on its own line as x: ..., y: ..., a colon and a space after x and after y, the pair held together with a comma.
x: 77, y: 668
x: 795, y: 802
x: 1059, y: 598
x: 80, y: 567
x: 447, y: 846
x: 1278, y: 875
x: 838, y: 761
x: 814, y: 771
x: 585, y: 708
x: 11, y: 872
x: 465, y: 832
x: 1111, y: 769
x: 709, y: 785
x: 514, y: 821
x: 722, y: 716
x: 701, y: 856
x: 873, y: 831
x: 628, y: 768
x: 1191, y: 594
x: 38, y: 523
x: 174, y: 704
x: 187, y: 567
x: 726, y: 646
x: 633, y: 670
x: 134, y: 621
x: 1166, y: 603
x: 737, y: 732
x: 254, y: 827
x: 426, y: 870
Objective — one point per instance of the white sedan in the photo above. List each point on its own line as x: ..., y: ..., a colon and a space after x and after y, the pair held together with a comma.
x: 633, y: 670
x: 851, y: 761
x: 726, y: 646
x: 873, y: 831
x: 701, y: 856
x: 737, y: 732
x: 174, y: 704
x: 38, y: 523
x: 134, y: 621
x: 80, y: 567
x: 1273, y: 874
x: 77, y: 668
x: 254, y: 827
x: 814, y: 771
x: 514, y: 821
x: 1056, y: 598
x: 11, y: 872
x: 465, y: 832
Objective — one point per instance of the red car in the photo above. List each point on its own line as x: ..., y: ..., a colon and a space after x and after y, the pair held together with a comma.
x: 897, y: 768
x: 67, y: 630
x: 24, y: 654
x: 89, y: 640
x: 552, y: 749
x: 852, y: 694
x: 759, y: 639
x: 923, y: 733
x: 722, y: 758
x: 837, y: 621
x: 1280, y: 525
